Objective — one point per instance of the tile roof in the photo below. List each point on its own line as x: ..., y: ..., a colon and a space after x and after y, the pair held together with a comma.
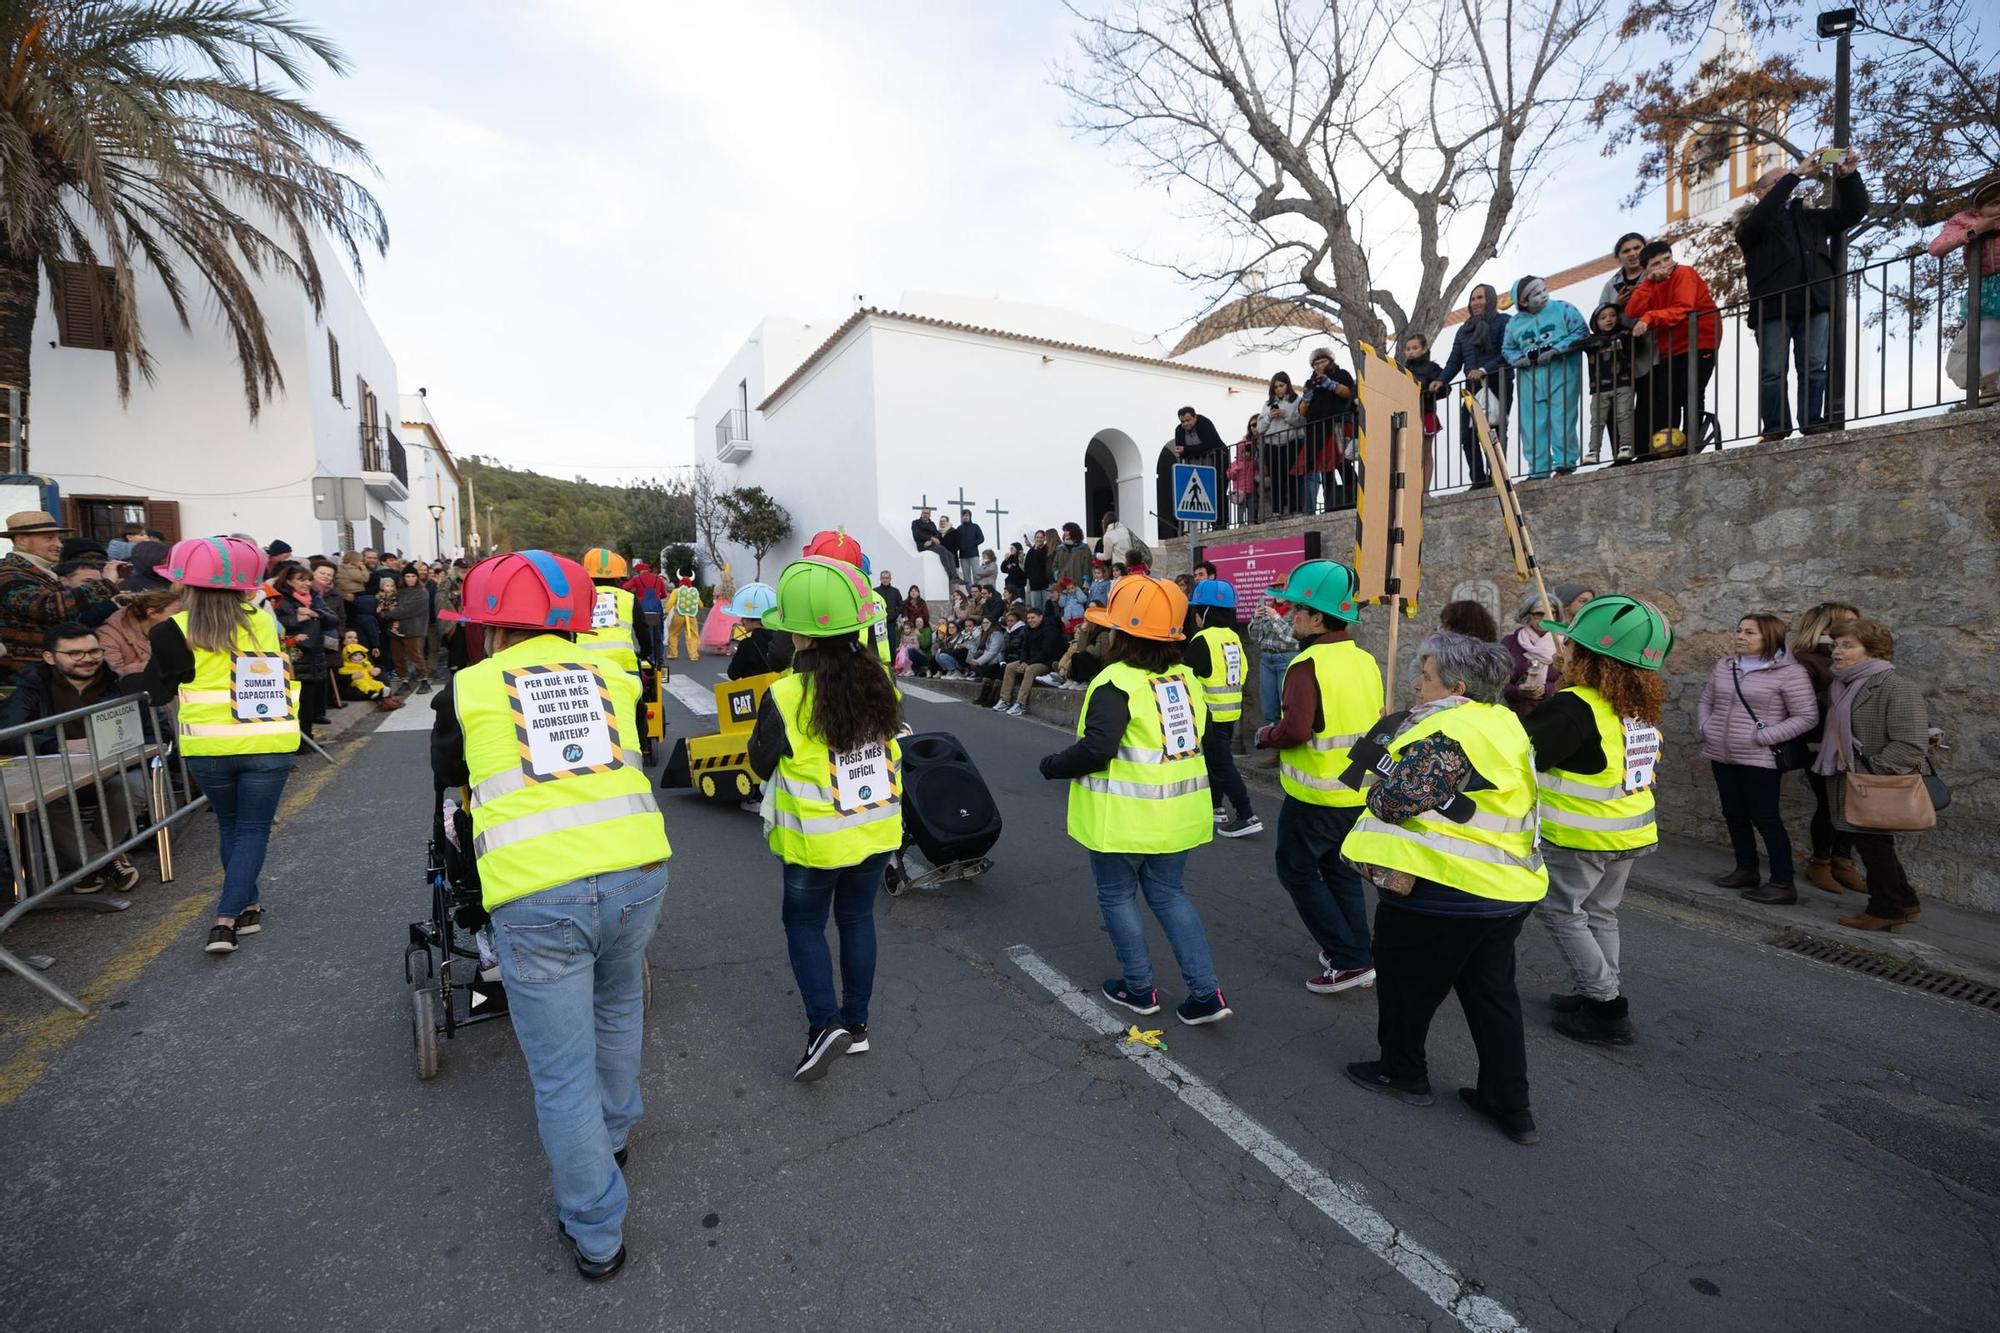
x: 1595, y: 268
x: 1256, y: 311
x: 848, y: 325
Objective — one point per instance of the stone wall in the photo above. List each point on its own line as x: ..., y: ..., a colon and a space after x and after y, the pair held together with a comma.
x: 1902, y: 520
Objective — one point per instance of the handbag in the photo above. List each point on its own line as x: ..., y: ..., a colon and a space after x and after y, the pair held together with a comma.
x: 1889, y: 802
x: 1788, y: 755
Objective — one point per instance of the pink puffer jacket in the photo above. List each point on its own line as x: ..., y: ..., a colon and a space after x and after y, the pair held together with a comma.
x: 1782, y: 698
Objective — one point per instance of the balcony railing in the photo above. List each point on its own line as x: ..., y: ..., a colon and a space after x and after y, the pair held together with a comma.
x: 732, y: 435
x: 381, y: 451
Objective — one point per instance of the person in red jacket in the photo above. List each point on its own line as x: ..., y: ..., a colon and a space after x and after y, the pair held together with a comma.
x: 1676, y: 305
x: 649, y: 595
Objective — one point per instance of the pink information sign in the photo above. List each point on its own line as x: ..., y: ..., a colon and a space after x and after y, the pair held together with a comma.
x: 1252, y: 567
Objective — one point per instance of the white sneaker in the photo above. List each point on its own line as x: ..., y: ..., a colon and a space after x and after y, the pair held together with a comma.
x: 1016, y: 711
x: 1000, y: 707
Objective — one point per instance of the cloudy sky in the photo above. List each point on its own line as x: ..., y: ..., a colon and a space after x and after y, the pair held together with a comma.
x: 592, y: 202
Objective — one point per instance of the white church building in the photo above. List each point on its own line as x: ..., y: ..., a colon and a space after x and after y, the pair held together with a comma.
x: 1028, y: 416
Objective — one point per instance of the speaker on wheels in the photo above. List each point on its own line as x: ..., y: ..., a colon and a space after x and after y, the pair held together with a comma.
x: 948, y: 811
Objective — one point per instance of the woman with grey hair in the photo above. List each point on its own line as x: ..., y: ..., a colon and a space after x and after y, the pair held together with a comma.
x: 1449, y: 840
x: 1533, y: 649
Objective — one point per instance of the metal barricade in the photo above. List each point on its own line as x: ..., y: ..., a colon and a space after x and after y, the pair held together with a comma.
x: 82, y: 788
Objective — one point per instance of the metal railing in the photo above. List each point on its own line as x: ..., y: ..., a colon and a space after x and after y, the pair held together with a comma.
x: 1902, y: 317
x: 732, y: 429
x: 381, y: 451
x: 73, y: 804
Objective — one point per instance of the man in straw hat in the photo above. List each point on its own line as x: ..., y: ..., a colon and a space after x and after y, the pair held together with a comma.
x: 32, y: 599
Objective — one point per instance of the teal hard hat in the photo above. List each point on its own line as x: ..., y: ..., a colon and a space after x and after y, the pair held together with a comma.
x: 1327, y: 586
x: 1622, y: 628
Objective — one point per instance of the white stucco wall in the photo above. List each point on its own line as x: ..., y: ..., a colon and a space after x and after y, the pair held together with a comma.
x: 188, y: 437
x: 431, y: 482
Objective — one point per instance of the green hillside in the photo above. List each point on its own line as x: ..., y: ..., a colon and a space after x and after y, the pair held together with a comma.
x: 519, y: 510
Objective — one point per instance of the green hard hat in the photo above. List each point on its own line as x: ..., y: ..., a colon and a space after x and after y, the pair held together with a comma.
x: 822, y: 599
x: 1327, y: 586
x: 1624, y: 629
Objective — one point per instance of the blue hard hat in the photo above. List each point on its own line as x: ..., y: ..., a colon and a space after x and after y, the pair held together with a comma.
x: 753, y: 600
x: 1214, y: 592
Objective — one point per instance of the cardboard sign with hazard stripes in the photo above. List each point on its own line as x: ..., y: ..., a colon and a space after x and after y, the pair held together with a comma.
x: 864, y: 779
x: 564, y: 721
x: 1389, y: 515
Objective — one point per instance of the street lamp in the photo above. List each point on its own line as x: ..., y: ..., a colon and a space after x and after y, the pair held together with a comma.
x: 1839, y: 24
x: 437, y: 531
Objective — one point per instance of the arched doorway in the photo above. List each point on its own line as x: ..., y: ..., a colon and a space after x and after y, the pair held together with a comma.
x: 1115, y: 480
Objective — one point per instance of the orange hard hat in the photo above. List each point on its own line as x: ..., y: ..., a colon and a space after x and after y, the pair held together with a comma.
x: 1144, y: 607
x: 601, y: 562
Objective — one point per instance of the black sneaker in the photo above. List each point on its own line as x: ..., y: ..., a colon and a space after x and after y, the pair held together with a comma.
x: 822, y: 1049
x: 1242, y: 826
x: 424, y: 686
x: 859, y: 1046
x: 121, y: 875
x: 1195, y: 1011
x: 221, y: 939
x: 1564, y: 1003
x: 590, y: 1270
x: 1114, y: 991
x: 249, y: 921
x: 1516, y: 1125
x: 619, y: 1155
x: 1371, y: 1075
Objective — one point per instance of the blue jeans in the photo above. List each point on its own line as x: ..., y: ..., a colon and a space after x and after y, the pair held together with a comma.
x: 1805, y: 338
x: 1271, y: 682
x: 1328, y: 893
x: 849, y: 892
x: 573, y: 959
x: 243, y: 790
x: 1121, y: 877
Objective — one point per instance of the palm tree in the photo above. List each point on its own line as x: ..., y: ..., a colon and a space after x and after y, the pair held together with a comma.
x: 143, y: 133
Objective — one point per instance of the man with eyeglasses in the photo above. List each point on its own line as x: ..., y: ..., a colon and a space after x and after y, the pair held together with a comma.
x: 71, y: 675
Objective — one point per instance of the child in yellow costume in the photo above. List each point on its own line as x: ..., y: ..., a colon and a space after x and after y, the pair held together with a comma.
x: 362, y: 678
x: 684, y: 609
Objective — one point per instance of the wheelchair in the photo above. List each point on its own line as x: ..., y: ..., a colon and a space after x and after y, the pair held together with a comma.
x: 441, y: 959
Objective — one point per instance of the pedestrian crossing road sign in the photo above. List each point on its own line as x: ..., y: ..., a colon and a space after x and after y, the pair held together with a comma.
x: 1194, y: 493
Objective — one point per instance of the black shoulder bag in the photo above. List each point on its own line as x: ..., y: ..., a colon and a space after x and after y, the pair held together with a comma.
x: 1791, y: 754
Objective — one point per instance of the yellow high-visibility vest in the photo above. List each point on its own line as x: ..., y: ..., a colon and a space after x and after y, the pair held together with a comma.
x: 1222, y: 687
x: 244, y: 702
x: 830, y: 810
x: 610, y: 636
x: 1350, y: 702
x: 1592, y: 811
x: 1153, y: 795
x: 1493, y: 855
x: 558, y: 791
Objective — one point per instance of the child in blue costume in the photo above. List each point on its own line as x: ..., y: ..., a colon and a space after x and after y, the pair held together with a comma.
x: 1538, y: 342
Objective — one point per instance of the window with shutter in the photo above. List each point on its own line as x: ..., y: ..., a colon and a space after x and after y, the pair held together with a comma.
x: 83, y: 300
x: 333, y: 359
x: 164, y: 516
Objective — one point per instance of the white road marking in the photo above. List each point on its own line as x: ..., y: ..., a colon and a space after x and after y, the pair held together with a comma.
x: 1345, y: 1204
x: 696, y: 696
x: 928, y: 696
x: 414, y: 715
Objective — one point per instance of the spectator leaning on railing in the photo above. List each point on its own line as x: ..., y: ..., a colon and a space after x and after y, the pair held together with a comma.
x: 1788, y: 267
x: 1676, y: 306
x: 1475, y: 352
x: 1981, y: 221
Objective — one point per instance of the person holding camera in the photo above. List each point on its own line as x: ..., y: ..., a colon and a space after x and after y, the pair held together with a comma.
x: 1788, y: 266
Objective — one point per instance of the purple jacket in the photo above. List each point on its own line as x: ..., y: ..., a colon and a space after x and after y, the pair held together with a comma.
x: 1782, y: 698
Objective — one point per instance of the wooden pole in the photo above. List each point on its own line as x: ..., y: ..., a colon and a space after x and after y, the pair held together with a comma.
x: 1389, y: 670
x: 1398, y: 497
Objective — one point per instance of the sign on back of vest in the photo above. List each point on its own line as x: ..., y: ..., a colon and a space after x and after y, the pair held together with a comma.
x: 1642, y: 754
x: 563, y: 720
x: 863, y: 778
x: 257, y: 690
x: 604, y: 611
x: 1183, y: 737
x: 1232, y: 665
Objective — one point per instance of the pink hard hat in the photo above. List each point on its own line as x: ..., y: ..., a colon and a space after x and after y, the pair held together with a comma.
x: 214, y: 562
x: 528, y: 590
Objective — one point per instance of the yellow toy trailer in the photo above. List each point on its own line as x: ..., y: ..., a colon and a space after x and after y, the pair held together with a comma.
x: 718, y: 766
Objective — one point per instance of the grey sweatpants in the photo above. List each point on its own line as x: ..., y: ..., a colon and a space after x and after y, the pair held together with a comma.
x: 1612, y: 410
x: 1581, y: 912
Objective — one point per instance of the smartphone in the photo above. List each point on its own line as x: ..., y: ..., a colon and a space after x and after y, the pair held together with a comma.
x: 1832, y: 157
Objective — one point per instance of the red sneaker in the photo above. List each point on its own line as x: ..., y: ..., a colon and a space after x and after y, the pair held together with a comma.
x: 1332, y: 981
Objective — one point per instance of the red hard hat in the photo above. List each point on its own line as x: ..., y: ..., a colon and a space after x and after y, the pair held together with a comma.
x: 528, y: 590
x: 835, y: 545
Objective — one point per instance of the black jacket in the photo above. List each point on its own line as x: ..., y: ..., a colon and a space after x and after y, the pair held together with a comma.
x: 1787, y: 245
x: 1036, y: 566
x: 1104, y: 722
x: 966, y: 540
x: 32, y: 700
x: 1046, y: 641
x: 765, y: 650
x: 923, y: 532
x: 1205, y: 439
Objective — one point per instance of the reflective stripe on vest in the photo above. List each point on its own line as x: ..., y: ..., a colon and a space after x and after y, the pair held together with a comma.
x: 206, y: 720
x: 533, y: 830
x: 1593, y: 812
x: 614, y: 643
x: 1491, y: 855
x: 1224, y: 704
x: 1350, y: 702
x: 807, y: 825
x: 1144, y: 801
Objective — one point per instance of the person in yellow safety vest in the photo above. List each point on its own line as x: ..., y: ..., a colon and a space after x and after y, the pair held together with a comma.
x: 571, y: 855
x: 611, y: 634
x: 1216, y: 656
x: 1597, y: 744
x: 825, y: 745
x: 1138, y: 793
x: 684, y: 618
x: 1332, y: 696
x: 1449, y: 841
x: 222, y: 658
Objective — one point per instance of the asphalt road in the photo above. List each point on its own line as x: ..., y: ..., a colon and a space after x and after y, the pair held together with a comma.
x: 244, y: 1144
